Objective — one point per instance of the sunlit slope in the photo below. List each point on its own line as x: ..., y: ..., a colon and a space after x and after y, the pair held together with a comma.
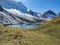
x: 13, y: 36
x: 51, y: 28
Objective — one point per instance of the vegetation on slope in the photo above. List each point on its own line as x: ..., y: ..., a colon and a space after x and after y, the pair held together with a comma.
x: 51, y: 28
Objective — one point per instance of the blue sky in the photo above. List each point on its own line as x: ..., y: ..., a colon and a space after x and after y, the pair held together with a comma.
x: 42, y: 5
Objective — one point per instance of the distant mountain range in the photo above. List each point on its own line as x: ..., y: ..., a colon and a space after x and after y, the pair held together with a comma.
x: 12, y: 12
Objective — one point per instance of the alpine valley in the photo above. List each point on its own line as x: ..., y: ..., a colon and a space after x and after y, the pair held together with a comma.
x: 21, y: 26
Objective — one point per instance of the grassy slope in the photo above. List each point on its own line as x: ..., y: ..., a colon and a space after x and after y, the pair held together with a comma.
x: 51, y: 28
x: 44, y: 35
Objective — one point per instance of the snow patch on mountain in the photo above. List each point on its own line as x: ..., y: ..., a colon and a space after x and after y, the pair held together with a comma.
x: 20, y: 14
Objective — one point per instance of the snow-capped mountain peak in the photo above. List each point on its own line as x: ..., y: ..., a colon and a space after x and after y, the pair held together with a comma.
x: 49, y: 14
x: 12, y: 4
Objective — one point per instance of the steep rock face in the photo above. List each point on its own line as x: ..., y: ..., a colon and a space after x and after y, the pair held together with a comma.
x: 33, y: 13
x: 1, y: 9
x: 49, y: 14
x: 11, y: 4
